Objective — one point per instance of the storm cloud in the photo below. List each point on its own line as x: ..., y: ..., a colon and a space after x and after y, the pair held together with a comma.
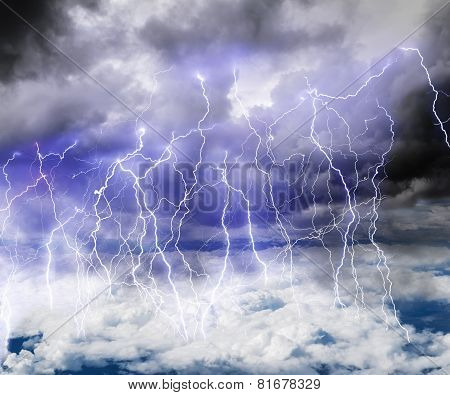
x: 231, y: 71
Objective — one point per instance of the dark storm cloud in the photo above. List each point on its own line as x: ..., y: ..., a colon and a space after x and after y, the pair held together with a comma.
x: 45, y: 98
x: 237, y: 28
x: 419, y: 165
x: 38, y: 98
x: 19, y: 45
x: 212, y: 34
x: 16, y: 38
x: 420, y: 154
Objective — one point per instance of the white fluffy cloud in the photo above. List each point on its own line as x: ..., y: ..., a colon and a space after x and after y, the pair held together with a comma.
x: 252, y: 328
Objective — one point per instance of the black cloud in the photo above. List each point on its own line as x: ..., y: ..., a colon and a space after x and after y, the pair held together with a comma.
x: 420, y: 155
x: 420, y: 152
x: 20, y: 46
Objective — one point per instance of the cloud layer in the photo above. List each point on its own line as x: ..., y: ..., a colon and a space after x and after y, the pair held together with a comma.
x: 276, y: 328
x: 153, y: 58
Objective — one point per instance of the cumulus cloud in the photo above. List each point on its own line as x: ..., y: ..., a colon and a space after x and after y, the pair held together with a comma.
x: 252, y: 328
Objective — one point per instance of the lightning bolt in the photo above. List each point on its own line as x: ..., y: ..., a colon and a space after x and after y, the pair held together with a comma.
x: 149, y: 241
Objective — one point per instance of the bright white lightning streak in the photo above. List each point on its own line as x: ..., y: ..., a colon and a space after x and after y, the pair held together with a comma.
x: 436, y: 92
x: 351, y: 200
x: 228, y: 244
x: 99, y: 207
